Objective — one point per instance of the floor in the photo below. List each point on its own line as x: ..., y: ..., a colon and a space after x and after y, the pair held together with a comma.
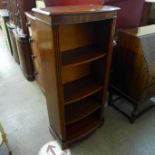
x: 23, y: 114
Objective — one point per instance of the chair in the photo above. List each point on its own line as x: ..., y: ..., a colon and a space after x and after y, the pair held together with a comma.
x: 4, y: 140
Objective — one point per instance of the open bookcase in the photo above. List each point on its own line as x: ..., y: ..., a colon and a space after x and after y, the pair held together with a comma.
x: 75, y: 56
x: 83, y: 53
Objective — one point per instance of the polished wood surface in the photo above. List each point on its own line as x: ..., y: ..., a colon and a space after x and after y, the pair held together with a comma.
x: 33, y: 34
x: 82, y: 9
x: 80, y: 110
x: 134, y: 65
x: 80, y: 14
x: 75, y: 60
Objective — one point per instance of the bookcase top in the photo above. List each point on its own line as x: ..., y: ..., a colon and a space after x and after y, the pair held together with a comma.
x: 76, y: 9
x: 75, y: 14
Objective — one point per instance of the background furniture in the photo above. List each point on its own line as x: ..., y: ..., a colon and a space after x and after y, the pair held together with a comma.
x: 152, y: 14
x: 15, y: 54
x: 19, y: 34
x: 4, y: 18
x: 134, y: 67
x: 33, y: 31
x: 146, y: 12
x: 75, y: 60
x: 130, y: 14
x: 3, y: 4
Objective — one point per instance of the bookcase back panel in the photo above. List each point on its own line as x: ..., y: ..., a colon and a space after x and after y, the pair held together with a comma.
x: 74, y: 73
x: 93, y: 69
x: 101, y: 34
x: 97, y: 70
x: 75, y: 36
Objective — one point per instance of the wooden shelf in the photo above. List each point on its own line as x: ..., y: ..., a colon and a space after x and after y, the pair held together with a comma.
x: 80, y: 89
x: 81, y: 109
x: 81, y: 55
x: 83, y: 128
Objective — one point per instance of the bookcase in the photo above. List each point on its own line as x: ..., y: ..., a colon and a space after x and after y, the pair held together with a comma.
x: 75, y: 50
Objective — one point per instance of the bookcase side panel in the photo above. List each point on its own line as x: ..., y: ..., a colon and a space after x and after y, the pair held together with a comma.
x: 45, y: 43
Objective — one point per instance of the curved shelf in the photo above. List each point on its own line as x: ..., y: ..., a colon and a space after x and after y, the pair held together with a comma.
x: 81, y: 109
x: 80, y: 89
x: 81, y: 56
x: 83, y: 128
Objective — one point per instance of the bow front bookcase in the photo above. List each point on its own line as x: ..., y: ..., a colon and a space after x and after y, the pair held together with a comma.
x: 74, y: 45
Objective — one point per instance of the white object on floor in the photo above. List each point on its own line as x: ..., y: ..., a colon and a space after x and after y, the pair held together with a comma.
x: 53, y: 148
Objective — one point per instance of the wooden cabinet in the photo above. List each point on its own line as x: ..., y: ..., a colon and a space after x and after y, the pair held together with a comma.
x: 134, y: 65
x: 33, y: 35
x: 74, y: 48
x: 20, y: 33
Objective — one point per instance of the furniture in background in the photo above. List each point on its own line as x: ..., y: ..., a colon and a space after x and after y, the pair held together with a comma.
x: 10, y: 28
x: 134, y: 70
x: 33, y: 32
x: 130, y: 14
x: 19, y: 34
x: 147, y: 12
x: 4, y: 18
x: 75, y: 60
x: 152, y: 14
x: 3, y: 4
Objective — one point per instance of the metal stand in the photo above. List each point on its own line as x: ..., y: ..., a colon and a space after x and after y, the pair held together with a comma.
x: 5, y: 140
x: 135, y: 113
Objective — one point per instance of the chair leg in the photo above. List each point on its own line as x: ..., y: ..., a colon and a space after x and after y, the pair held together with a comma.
x: 7, y: 144
x: 5, y: 140
x: 8, y: 147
